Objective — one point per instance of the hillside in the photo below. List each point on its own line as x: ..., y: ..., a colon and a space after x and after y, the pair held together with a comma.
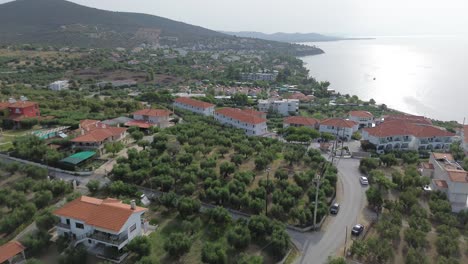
x: 285, y: 37
x: 63, y: 23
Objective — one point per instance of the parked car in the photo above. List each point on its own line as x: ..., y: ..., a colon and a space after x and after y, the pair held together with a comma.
x: 335, y: 208
x: 357, y: 230
x: 427, y: 188
x: 364, y: 180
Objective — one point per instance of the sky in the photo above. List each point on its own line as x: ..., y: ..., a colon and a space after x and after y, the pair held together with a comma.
x: 336, y: 17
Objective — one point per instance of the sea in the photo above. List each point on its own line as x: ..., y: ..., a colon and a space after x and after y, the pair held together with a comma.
x: 422, y: 75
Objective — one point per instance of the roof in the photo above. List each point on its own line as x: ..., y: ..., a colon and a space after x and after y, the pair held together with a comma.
x: 440, y: 184
x: 240, y: 115
x: 193, y: 102
x: 90, y: 124
x: 4, y: 105
x: 110, y: 214
x: 254, y: 112
x: 409, y: 118
x: 440, y: 156
x: 458, y: 175
x: 100, y: 134
x: 427, y: 165
x: 362, y: 114
x: 10, y: 250
x: 338, y: 122
x: 22, y: 104
x: 116, y: 121
x: 139, y: 123
x: 79, y: 157
x: 301, y: 120
x: 400, y: 128
x: 153, y: 112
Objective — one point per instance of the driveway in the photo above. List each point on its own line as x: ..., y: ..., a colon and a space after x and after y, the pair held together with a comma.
x: 317, y: 246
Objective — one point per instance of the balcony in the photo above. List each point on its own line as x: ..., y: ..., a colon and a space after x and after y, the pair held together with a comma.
x: 108, y: 238
x: 64, y: 226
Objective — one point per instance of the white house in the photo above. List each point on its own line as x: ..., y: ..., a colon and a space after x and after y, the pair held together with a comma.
x: 100, y: 223
x: 195, y: 106
x: 339, y: 127
x: 403, y: 135
x: 253, y: 125
x: 59, y: 85
x: 299, y: 121
x: 147, y: 118
x: 283, y: 107
x: 449, y: 177
x: 364, y: 118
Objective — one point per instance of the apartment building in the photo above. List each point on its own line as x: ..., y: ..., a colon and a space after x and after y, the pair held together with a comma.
x: 363, y: 118
x: 341, y: 128
x: 283, y: 107
x: 251, y: 124
x: 195, y: 106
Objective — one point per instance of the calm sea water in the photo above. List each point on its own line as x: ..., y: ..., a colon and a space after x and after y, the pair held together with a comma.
x: 419, y: 75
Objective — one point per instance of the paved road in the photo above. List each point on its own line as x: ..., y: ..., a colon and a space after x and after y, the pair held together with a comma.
x: 317, y: 246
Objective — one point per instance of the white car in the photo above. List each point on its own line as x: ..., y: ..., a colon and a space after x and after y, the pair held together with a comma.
x: 364, y: 180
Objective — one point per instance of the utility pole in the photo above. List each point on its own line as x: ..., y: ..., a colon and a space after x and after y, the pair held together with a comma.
x: 345, y: 241
x: 266, y: 191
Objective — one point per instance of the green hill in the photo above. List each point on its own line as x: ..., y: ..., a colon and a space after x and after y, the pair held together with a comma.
x: 63, y: 23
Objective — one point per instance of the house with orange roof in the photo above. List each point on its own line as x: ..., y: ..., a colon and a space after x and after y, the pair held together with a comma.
x: 407, y: 135
x: 94, y: 135
x: 339, y: 127
x: 147, y: 118
x: 449, y: 177
x: 364, y: 118
x: 12, y: 253
x: 300, y: 121
x: 97, y: 223
x: 252, y: 125
x: 195, y: 106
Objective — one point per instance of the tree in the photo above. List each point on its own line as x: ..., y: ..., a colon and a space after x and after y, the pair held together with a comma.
x: 188, y: 206
x: 143, y: 143
x: 247, y: 259
x: 169, y: 199
x: 75, y: 255
x: 374, y: 198
x: 46, y: 221
x: 259, y: 226
x: 389, y: 159
x: 226, y: 168
x: 140, y: 246
x: 356, y: 136
x: 137, y: 135
x: 114, y: 147
x: 219, y: 216
x: 381, y: 180
x: 93, y: 186
x: 279, y: 242
x: 372, y: 101
x: 43, y: 198
x: 214, y: 253
x: 368, y: 164
x: 447, y: 246
x: 380, y: 250
x: 415, y: 257
x: 177, y: 244
x: 415, y: 238
x: 239, y: 236
x: 359, y: 248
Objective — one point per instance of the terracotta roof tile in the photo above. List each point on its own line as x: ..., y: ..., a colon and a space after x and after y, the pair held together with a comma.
x: 458, y: 175
x: 362, y: 114
x: 10, y: 250
x: 301, y: 120
x: 193, y: 102
x: 139, y: 123
x: 110, y: 214
x: 427, y: 165
x: 338, y: 122
x: 100, y: 134
x: 153, y: 112
x: 4, y: 105
x: 254, y: 112
x: 404, y: 128
x: 240, y: 115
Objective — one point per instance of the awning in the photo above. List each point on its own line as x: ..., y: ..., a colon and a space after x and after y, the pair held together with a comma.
x: 79, y: 157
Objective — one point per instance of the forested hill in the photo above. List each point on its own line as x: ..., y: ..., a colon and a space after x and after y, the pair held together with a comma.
x: 63, y: 23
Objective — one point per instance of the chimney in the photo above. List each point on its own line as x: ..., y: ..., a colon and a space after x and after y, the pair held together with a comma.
x: 82, y: 132
x: 132, y: 205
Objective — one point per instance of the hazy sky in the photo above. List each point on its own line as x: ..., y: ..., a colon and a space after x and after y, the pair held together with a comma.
x: 349, y: 17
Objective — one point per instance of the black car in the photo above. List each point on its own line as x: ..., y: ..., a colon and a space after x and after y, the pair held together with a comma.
x: 334, y: 208
x: 357, y: 229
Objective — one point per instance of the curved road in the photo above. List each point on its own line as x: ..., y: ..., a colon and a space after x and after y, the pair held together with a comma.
x: 317, y: 246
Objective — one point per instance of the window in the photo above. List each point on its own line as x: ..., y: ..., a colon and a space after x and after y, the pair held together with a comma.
x: 79, y: 225
x: 132, y: 228
x: 67, y: 221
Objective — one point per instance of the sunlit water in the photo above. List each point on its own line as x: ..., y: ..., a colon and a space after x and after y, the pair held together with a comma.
x: 419, y: 75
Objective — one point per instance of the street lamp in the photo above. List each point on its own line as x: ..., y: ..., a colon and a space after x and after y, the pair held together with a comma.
x: 266, y: 192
